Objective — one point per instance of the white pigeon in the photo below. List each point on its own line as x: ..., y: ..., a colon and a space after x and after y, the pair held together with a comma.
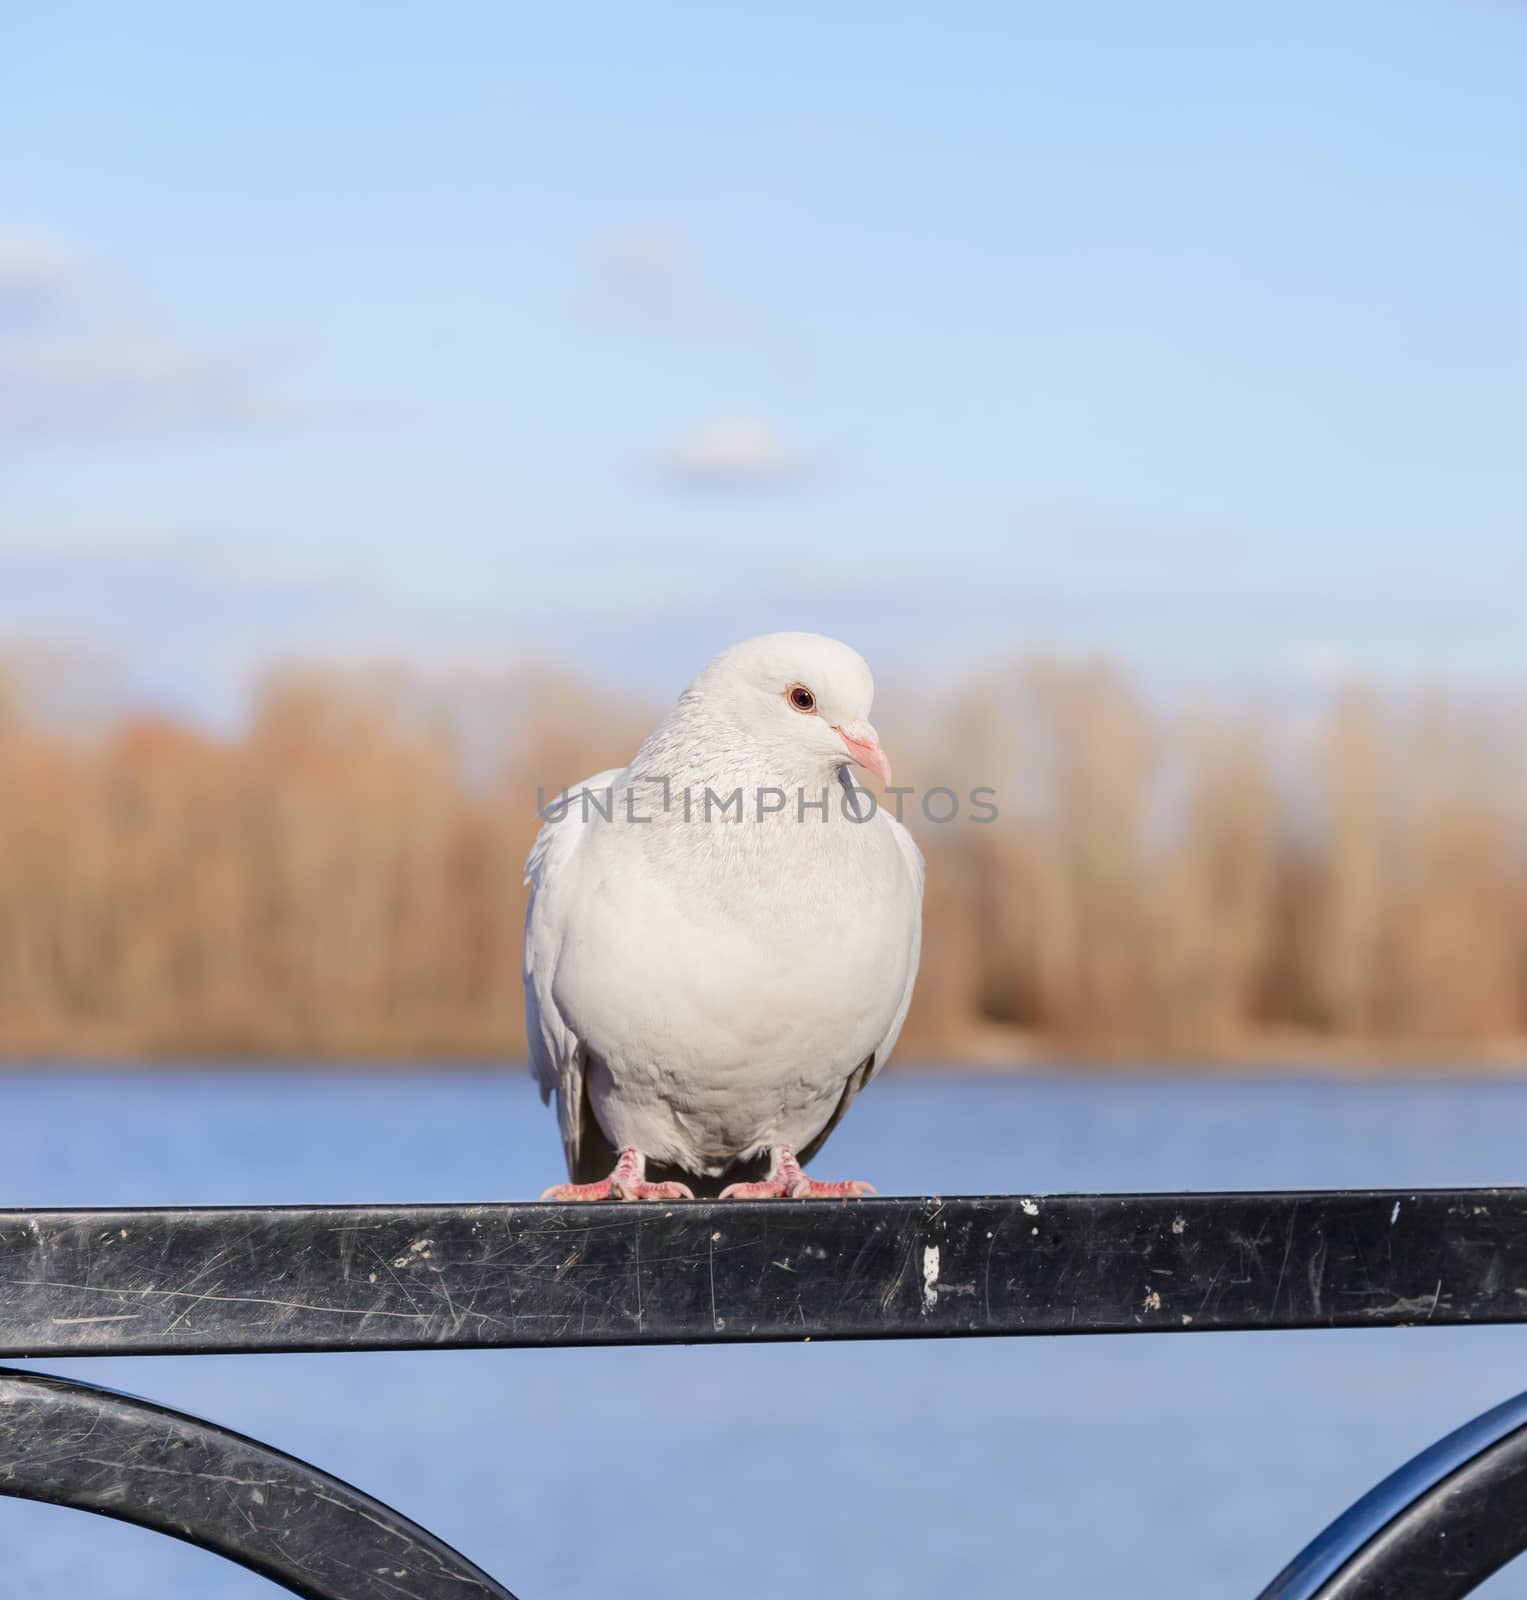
x: 723, y: 936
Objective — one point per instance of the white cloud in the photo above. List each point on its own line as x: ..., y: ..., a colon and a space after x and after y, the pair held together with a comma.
x: 733, y: 452
x: 75, y: 361
x: 51, y: 387
x: 646, y: 281
x: 645, y: 256
x: 82, y: 551
x: 34, y: 276
x: 80, y: 541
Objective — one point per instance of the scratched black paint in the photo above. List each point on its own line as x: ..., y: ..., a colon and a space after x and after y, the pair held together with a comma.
x: 71, y: 1444
x: 405, y: 1277
x: 410, y: 1277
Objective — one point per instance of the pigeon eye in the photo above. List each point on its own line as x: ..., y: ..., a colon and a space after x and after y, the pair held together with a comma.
x: 802, y: 698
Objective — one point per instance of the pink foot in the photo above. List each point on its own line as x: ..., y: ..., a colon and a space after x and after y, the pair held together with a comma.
x: 627, y: 1182
x: 786, y: 1181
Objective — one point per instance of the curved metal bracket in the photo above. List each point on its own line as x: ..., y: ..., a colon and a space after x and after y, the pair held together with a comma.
x: 72, y: 1444
x: 1434, y: 1530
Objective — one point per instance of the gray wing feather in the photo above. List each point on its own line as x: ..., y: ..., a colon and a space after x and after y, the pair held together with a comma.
x: 556, y: 1054
x: 871, y: 1065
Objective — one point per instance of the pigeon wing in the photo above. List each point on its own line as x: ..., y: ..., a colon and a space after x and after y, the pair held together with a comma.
x: 557, y: 1055
x: 912, y: 861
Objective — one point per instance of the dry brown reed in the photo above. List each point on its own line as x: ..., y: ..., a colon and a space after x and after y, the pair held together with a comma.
x: 342, y: 877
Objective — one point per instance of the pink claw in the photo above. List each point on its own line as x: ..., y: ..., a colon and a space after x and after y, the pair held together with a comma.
x: 627, y: 1182
x: 786, y: 1181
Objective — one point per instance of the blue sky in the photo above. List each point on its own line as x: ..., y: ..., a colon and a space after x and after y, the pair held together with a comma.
x: 1191, y: 333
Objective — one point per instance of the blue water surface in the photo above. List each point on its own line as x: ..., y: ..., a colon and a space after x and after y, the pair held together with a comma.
x: 1186, y: 1468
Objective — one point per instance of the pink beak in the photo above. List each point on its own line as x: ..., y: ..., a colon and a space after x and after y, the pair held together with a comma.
x: 864, y: 746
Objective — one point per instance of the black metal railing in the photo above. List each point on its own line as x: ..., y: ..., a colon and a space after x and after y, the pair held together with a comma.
x: 331, y: 1278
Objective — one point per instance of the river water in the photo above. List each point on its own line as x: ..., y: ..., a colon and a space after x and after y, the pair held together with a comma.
x: 1186, y: 1468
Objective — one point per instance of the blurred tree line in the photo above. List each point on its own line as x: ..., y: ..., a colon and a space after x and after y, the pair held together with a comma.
x: 341, y: 877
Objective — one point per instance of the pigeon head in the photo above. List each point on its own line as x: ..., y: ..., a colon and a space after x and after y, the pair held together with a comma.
x: 804, y: 695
